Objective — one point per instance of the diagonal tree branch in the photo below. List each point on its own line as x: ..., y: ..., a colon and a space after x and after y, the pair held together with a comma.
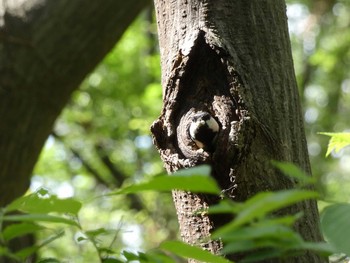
x: 99, y: 178
x: 46, y: 50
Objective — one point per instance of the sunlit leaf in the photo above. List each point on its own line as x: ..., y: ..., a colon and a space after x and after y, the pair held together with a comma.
x: 337, y: 142
x: 194, y: 180
x: 43, y: 202
x: 263, y: 203
x: 15, y: 230
x: 41, y: 218
x: 188, y: 251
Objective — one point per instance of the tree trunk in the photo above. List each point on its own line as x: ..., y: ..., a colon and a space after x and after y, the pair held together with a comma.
x: 46, y: 50
x: 231, y: 59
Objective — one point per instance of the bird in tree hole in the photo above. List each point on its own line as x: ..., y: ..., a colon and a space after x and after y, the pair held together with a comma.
x: 203, y: 131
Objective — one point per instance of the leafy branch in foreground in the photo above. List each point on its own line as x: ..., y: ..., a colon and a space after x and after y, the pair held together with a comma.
x: 24, y: 215
x: 256, y: 227
x: 32, y: 213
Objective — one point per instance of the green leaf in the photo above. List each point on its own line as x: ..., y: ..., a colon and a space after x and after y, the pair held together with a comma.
x: 322, y: 247
x: 4, y: 251
x: 337, y: 142
x: 335, y: 222
x: 26, y: 252
x: 197, y: 170
x: 158, y: 257
x: 263, y: 255
x: 196, y: 179
x: 105, y: 251
x: 130, y: 255
x: 42, y: 202
x: 41, y: 218
x: 225, y: 207
x: 259, y: 244
x: 15, y: 230
x: 111, y: 260
x: 258, y: 232
x: 97, y: 232
x: 149, y: 257
x: 263, y: 203
x: 188, y: 251
x: 295, y: 172
x: 261, y: 235
x: 80, y: 239
x: 49, y: 260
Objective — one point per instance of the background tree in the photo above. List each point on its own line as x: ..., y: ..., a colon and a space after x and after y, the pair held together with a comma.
x: 47, y: 48
x: 232, y: 60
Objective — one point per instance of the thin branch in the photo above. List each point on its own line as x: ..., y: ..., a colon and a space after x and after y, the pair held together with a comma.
x: 85, y: 163
x: 118, y: 176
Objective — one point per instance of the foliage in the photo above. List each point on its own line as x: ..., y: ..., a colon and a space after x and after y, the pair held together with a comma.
x: 188, y: 180
x: 101, y: 142
x: 337, y: 142
x: 255, y: 228
x: 36, y: 208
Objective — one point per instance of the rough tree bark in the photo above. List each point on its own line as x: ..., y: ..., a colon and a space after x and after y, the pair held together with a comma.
x: 46, y: 49
x: 233, y: 60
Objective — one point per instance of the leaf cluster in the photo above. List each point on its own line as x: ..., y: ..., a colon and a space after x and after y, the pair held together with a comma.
x: 256, y: 227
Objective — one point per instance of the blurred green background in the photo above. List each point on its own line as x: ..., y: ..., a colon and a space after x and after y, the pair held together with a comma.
x: 102, y: 140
